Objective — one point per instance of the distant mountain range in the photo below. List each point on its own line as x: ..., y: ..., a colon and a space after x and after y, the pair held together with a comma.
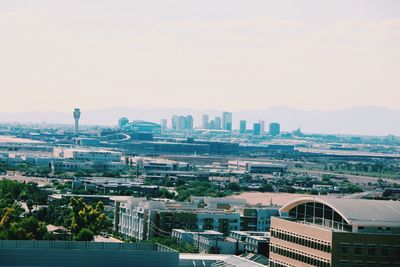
x: 366, y: 120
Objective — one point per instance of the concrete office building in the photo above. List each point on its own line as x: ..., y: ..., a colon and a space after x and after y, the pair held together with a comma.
x: 274, y: 129
x: 102, y: 156
x: 31, y: 253
x: 205, y: 122
x: 256, y: 166
x: 256, y: 128
x: 77, y: 116
x: 217, y: 123
x: 181, y: 123
x: 242, y: 127
x: 227, y: 121
x: 122, y: 122
x: 164, y: 125
x: 262, y: 126
x: 318, y: 231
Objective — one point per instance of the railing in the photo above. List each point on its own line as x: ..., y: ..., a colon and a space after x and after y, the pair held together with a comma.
x: 81, y: 245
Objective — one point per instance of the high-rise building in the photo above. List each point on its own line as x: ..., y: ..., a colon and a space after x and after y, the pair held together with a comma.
x: 242, y: 129
x: 321, y: 231
x: 122, y: 122
x: 174, y: 122
x: 181, y: 123
x: 204, y: 122
x: 77, y: 115
x: 274, y: 129
x: 256, y: 128
x: 217, y: 123
x: 227, y: 121
x: 189, y: 122
x: 164, y: 125
x: 262, y: 125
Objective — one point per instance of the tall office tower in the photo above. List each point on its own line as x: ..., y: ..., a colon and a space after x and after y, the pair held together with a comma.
x: 77, y: 115
x: 242, y: 129
x: 217, y: 123
x: 122, y: 122
x: 227, y: 121
x: 262, y: 124
x: 189, y: 122
x: 174, y: 122
x: 164, y: 125
x: 211, y: 125
x: 256, y: 128
x: 181, y: 123
x: 274, y: 129
x: 204, y: 121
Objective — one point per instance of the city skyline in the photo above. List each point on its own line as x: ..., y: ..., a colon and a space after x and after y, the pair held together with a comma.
x: 353, y: 121
x: 158, y: 56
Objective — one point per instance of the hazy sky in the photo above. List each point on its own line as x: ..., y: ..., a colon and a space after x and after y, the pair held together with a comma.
x: 225, y: 54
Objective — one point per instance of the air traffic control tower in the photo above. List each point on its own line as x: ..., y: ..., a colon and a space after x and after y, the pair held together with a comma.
x: 77, y: 115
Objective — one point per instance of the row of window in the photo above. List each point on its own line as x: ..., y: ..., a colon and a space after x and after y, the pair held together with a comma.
x: 299, y: 257
x: 359, y: 249
x: 344, y: 263
x: 301, y: 241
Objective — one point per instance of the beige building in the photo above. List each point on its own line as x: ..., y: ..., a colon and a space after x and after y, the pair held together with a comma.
x: 317, y: 231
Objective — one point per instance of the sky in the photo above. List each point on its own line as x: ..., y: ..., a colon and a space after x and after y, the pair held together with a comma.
x: 222, y: 54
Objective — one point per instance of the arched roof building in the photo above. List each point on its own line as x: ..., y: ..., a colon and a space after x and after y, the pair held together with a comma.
x: 142, y: 126
x: 344, y: 212
x: 327, y: 231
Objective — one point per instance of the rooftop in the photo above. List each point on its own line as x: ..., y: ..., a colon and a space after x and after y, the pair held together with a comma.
x: 360, y: 212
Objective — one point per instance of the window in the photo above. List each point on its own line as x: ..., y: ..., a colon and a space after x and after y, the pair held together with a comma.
x: 344, y: 249
x: 358, y: 249
x: 344, y: 264
x: 371, y: 250
x: 397, y: 251
x: 384, y: 250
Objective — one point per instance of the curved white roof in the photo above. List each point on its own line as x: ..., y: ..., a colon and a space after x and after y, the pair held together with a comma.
x: 360, y: 212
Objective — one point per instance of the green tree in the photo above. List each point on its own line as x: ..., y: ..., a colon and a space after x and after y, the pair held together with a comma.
x: 84, y: 235
x: 88, y: 216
